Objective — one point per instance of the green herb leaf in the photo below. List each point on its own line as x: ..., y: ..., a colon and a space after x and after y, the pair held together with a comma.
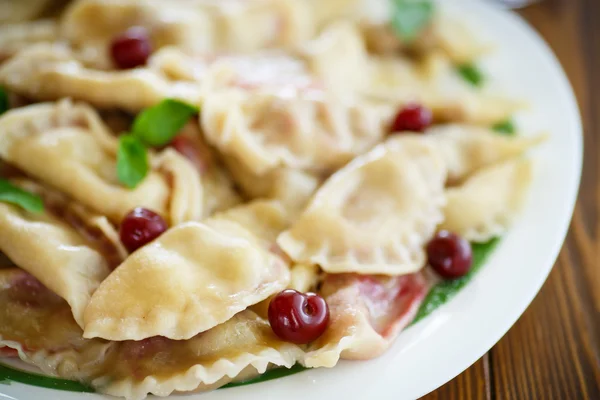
x: 271, y: 374
x: 471, y: 74
x: 158, y: 125
x: 12, y: 194
x: 506, y: 128
x: 411, y: 16
x: 132, y: 161
x: 4, y: 106
x: 11, y: 374
x: 445, y: 290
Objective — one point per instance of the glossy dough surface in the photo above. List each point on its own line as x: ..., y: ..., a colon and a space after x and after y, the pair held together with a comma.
x: 374, y: 215
x: 486, y: 204
x: 190, y: 279
x: 54, y: 253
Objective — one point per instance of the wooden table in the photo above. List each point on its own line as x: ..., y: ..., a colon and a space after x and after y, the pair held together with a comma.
x: 553, y: 351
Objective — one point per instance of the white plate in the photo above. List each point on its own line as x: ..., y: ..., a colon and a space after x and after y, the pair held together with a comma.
x: 438, y: 348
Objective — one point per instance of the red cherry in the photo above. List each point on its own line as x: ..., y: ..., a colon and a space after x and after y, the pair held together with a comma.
x: 140, y: 227
x: 137, y: 349
x: 449, y: 255
x: 414, y: 118
x: 131, y: 49
x: 297, y: 317
x: 187, y: 148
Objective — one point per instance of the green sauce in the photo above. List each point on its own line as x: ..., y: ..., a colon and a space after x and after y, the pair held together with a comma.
x: 445, y: 290
x: 9, y: 374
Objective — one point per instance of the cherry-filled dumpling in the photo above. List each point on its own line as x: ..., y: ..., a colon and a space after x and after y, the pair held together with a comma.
x: 199, y: 26
x: 53, y: 71
x: 374, y: 215
x: 466, y: 149
x: 334, y: 62
x: 55, y: 253
x: 434, y: 83
x: 67, y: 146
x: 16, y: 36
x: 296, y: 109
x: 23, y: 10
x: 38, y: 324
x: 264, y: 131
x: 366, y: 315
x: 191, y: 278
x: 484, y: 206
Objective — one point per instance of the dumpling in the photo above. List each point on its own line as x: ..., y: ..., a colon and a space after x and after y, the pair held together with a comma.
x: 267, y: 70
x: 186, y: 200
x: 53, y: 71
x: 283, y: 108
x: 240, y: 348
x: 447, y: 35
x: 333, y: 62
x: 434, y: 83
x: 454, y: 38
x: 22, y: 10
x: 292, y: 187
x: 14, y: 37
x: 366, y: 315
x: 97, y: 230
x: 338, y: 58
x: 198, y: 26
x: 265, y: 131
x: 300, y: 111
x: 485, y: 205
x: 190, y: 279
x: 374, y: 215
x: 67, y: 146
x: 38, y: 324
x: 466, y: 149
x: 217, y: 185
x: 54, y: 253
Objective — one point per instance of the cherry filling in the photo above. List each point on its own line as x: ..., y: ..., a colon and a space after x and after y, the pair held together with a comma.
x: 8, y: 352
x: 449, y: 255
x: 131, y: 49
x: 140, y: 227
x: 413, y: 118
x: 28, y: 291
x: 138, y: 349
x: 390, y: 303
x: 297, y: 317
x: 187, y: 148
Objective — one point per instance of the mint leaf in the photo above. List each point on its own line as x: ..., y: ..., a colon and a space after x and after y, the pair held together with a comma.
x: 409, y: 17
x: 12, y: 194
x: 132, y: 161
x: 158, y: 125
x: 506, y: 128
x: 471, y: 74
x: 4, y: 106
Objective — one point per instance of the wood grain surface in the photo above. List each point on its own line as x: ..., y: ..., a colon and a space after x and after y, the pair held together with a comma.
x: 553, y: 351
